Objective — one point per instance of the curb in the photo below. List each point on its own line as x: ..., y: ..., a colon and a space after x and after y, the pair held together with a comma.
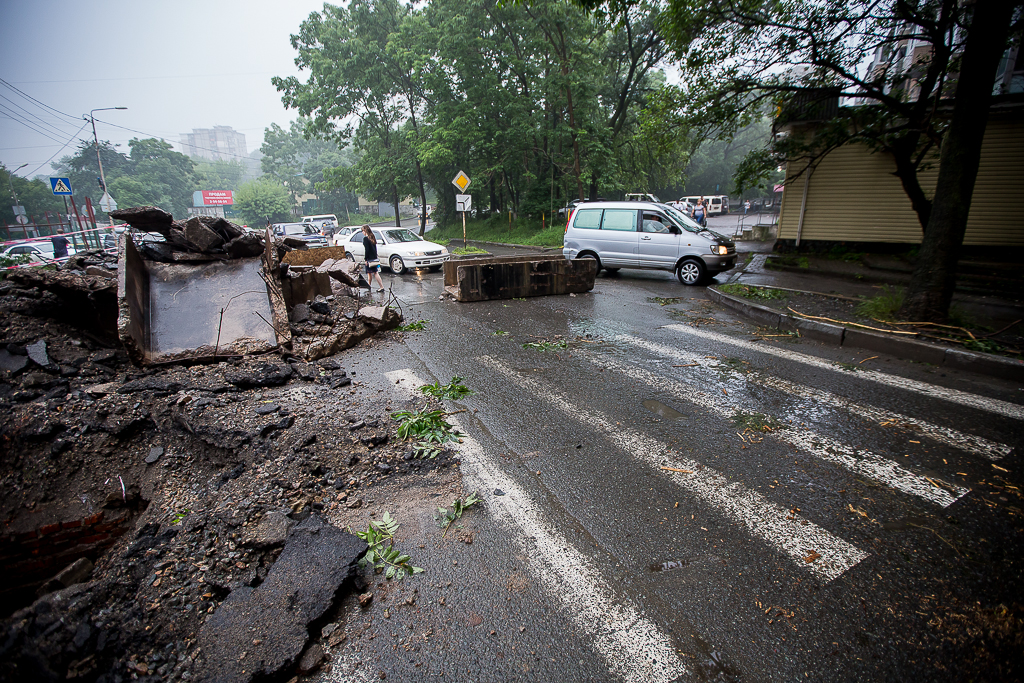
x: 510, y: 246
x: 909, y: 349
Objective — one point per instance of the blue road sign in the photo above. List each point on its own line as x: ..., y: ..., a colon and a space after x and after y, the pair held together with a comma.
x: 61, y: 186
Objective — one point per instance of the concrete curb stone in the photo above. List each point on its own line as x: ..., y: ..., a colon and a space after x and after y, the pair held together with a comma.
x: 910, y: 349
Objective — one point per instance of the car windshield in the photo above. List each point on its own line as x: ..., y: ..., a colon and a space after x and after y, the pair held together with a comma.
x: 402, y: 236
x: 296, y: 229
x: 683, y: 220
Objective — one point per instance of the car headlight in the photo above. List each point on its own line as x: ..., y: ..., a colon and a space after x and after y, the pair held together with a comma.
x: 444, y: 251
x: 418, y: 253
x: 720, y: 249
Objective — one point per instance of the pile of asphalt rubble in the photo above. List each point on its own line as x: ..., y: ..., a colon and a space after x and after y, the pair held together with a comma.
x: 168, y: 523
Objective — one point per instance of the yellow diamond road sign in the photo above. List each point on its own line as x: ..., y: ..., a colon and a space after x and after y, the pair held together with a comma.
x: 461, y: 181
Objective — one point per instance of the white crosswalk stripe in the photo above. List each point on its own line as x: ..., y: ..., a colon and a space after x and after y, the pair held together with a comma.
x: 632, y: 646
x: 798, y: 538
x: 859, y: 461
x: 991, y: 405
x: 970, y: 443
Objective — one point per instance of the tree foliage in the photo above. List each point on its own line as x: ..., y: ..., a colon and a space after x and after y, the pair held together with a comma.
x: 808, y: 61
x: 297, y: 160
x: 262, y: 200
x: 152, y: 174
x: 35, y: 195
x: 535, y: 103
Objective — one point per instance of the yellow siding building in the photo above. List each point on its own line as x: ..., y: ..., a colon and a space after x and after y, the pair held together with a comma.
x: 853, y: 196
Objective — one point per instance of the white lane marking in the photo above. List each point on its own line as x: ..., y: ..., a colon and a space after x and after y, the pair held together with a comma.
x: 791, y: 534
x: 631, y: 645
x: 991, y: 405
x: 993, y: 450
x: 861, y: 462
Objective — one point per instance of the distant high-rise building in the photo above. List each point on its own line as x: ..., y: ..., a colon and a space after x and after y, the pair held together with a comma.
x: 220, y: 143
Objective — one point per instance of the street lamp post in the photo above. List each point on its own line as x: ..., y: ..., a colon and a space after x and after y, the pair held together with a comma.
x: 10, y: 180
x: 96, y: 143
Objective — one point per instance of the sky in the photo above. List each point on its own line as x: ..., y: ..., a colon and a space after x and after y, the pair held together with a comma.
x: 175, y: 65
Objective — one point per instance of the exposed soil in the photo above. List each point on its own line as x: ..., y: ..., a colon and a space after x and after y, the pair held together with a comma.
x: 162, y: 477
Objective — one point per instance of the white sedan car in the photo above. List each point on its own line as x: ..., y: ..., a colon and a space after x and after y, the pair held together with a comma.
x: 399, y: 249
x: 40, y: 251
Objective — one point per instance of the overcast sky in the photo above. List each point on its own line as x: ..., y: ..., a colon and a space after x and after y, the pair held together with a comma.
x: 176, y: 65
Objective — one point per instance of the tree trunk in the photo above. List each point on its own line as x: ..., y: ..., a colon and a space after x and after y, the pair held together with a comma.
x: 931, y: 287
x: 398, y: 218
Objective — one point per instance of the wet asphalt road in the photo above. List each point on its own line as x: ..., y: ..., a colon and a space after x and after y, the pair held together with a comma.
x: 857, y: 539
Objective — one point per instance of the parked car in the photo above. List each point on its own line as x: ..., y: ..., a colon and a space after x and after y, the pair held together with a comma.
x: 304, y: 231
x: 341, y: 235
x: 567, y: 209
x: 647, y: 235
x: 321, y: 221
x: 641, y: 197
x: 40, y: 251
x: 400, y: 249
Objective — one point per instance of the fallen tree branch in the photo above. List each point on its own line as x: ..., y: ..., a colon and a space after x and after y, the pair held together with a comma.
x: 844, y: 322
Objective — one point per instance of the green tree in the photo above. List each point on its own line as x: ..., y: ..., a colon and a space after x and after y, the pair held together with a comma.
x: 359, y: 69
x: 160, y: 176
x: 220, y: 174
x: 84, y: 171
x: 35, y: 195
x: 169, y: 177
x: 297, y: 160
x: 262, y: 200
x: 802, y: 57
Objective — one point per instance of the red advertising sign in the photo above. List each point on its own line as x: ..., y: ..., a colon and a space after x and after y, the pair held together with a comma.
x: 217, y: 198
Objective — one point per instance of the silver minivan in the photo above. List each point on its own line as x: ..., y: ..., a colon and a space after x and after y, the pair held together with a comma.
x: 646, y: 235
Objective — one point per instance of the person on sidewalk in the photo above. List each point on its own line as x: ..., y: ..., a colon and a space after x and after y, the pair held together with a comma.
x: 60, y: 244
x: 746, y: 207
x: 370, y: 254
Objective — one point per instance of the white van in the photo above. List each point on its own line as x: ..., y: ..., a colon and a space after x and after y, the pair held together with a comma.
x: 646, y: 235
x: 716, y: 203
x: 320, y: 220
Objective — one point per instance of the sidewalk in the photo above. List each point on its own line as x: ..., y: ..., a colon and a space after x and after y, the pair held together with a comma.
x: 991, y: 294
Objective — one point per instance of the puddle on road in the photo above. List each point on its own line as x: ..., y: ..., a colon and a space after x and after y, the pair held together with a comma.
x: 669, y: 565
x: 659, y: 408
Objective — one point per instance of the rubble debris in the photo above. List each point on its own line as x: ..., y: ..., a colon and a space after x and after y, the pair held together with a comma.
x: 76, y: 572
x: 258, y: 632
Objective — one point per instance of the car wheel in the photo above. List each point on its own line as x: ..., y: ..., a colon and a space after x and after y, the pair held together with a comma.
x: 349, y: 256
x: 397, y: 265
x: 691, y: 272
x: 592, y: 257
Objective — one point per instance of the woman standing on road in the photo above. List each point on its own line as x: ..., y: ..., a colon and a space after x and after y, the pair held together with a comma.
x: 370, y: 254
x: 699, y: 212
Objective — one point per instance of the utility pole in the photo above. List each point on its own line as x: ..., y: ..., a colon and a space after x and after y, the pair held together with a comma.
x: 10, y: 180
x: 96, y: 143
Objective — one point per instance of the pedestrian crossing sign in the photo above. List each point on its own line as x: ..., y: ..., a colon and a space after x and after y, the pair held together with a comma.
x: 61, y: 186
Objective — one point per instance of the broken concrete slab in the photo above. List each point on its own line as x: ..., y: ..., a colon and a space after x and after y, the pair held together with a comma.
x: 271, y: 531
x: 268, y: 375
x: 300, y: 313
x: 259, y: 632
x: 379, y: 315
x: 37, y: 353
x: 200, y: 236
x: 146, y: 218
x: 198, y: 311
x: 12, y: 363
x: 506, y: 277
x: 76, y: 572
